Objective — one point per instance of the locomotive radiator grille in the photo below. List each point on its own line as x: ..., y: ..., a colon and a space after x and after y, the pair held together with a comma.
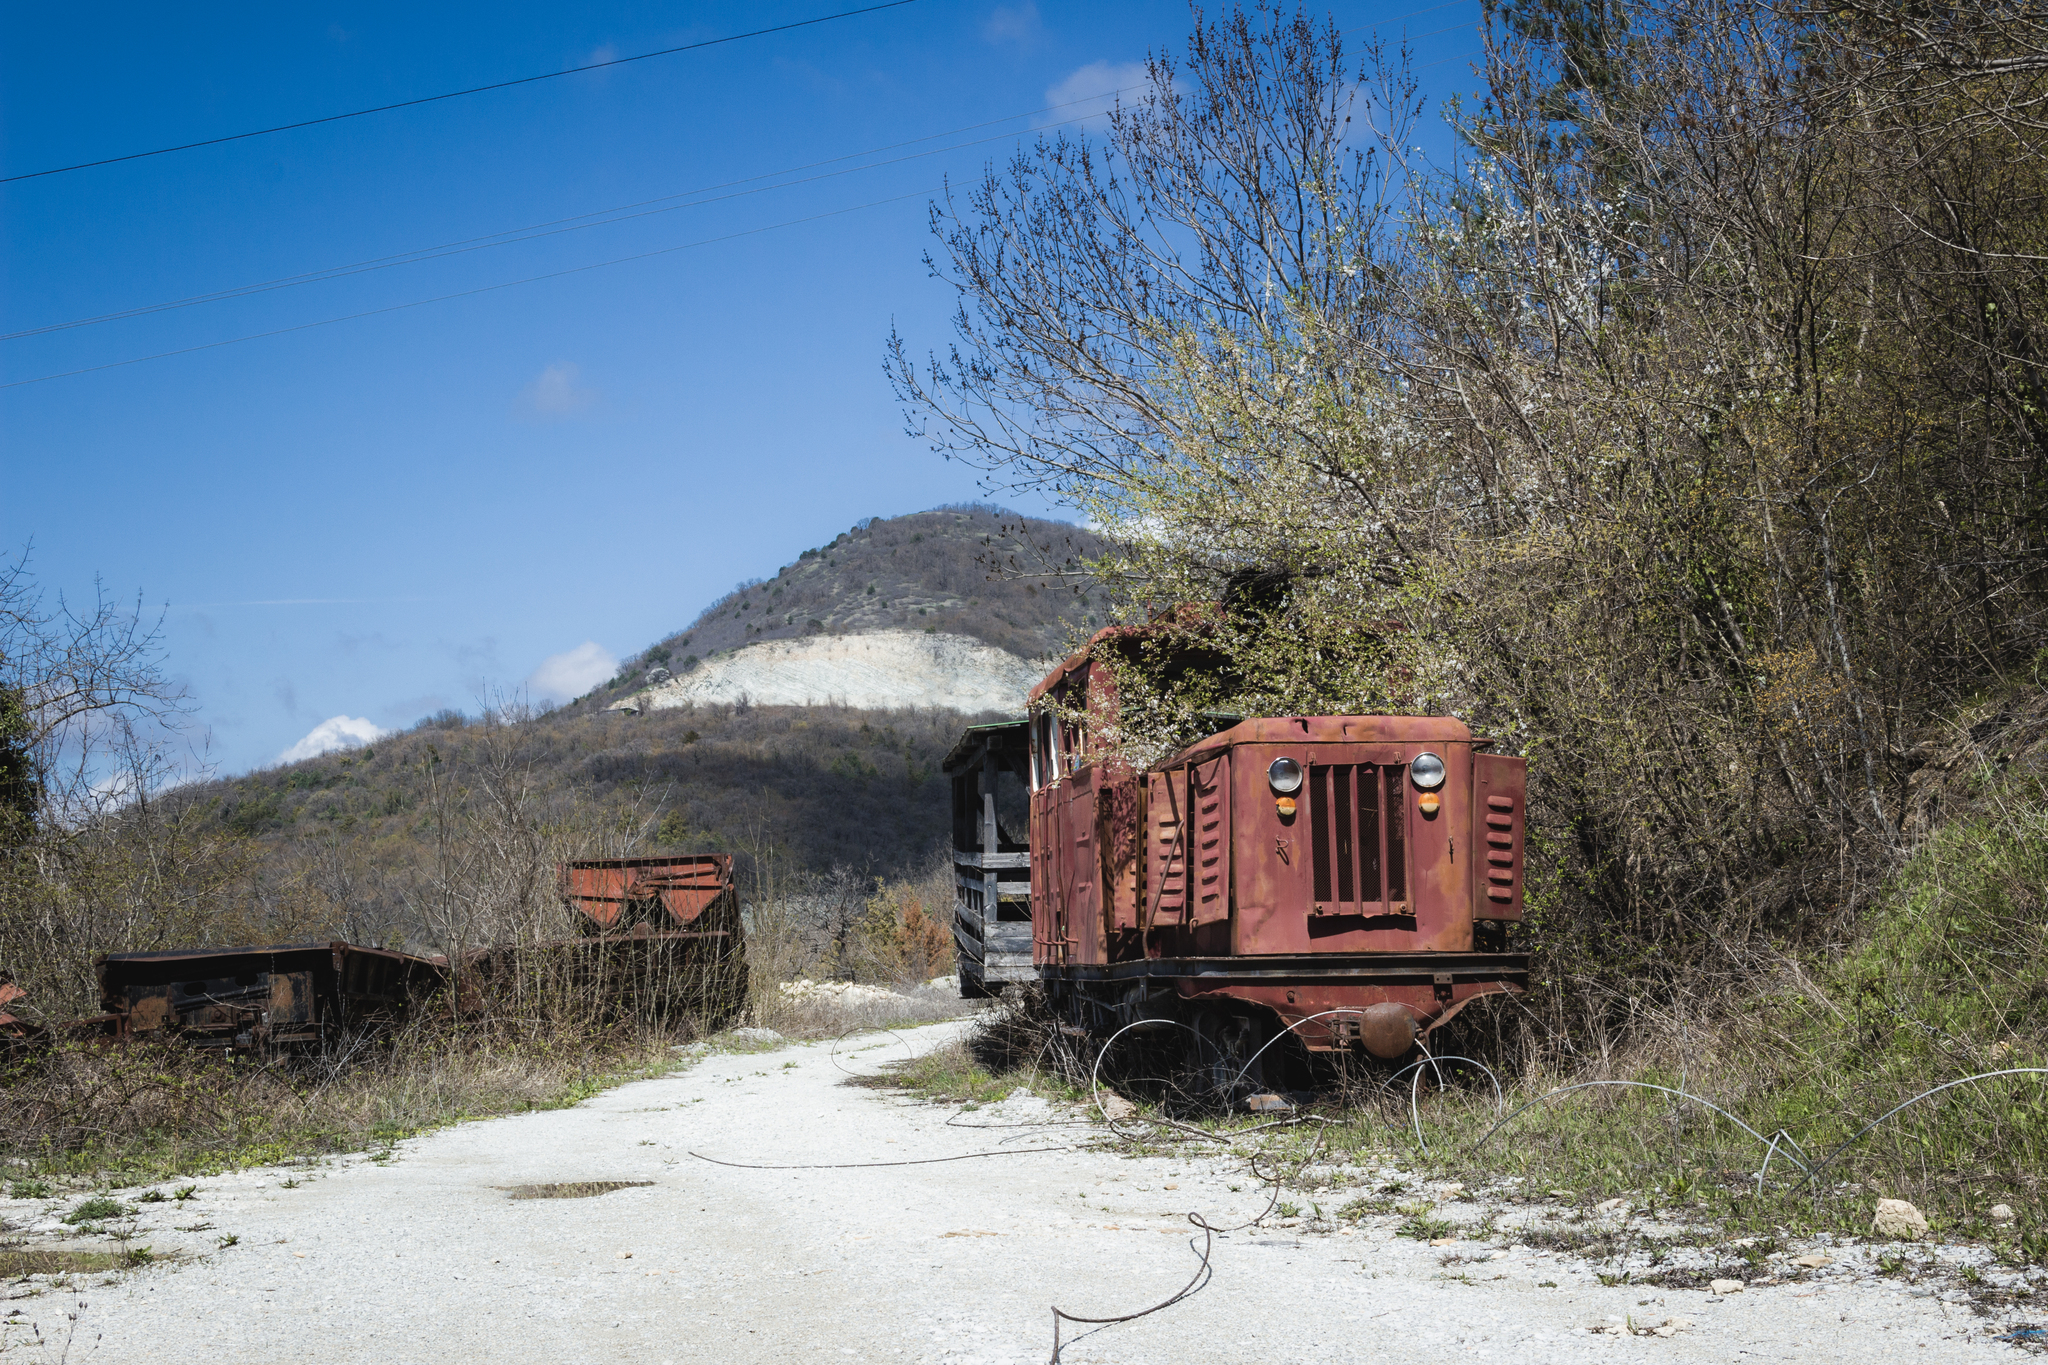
x: 1360, y: 859
x: 1502, y: 841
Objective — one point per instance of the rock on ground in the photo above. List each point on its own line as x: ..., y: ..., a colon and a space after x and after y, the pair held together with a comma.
x: 1898, y: 1221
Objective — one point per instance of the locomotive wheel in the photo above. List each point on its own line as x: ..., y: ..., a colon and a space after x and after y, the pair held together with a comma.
x: 1221, y: 1056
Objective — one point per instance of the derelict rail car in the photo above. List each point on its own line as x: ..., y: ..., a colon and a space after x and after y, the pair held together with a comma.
x: 268, y: 999
x: 1348, y: 877
x: 990, y: 769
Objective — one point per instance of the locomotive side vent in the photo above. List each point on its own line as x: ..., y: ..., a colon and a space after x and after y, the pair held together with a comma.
x: 1503, y: 840
x: 1360, y: 856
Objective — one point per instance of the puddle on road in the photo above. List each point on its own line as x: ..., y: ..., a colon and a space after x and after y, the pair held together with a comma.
x: 573, y: 1189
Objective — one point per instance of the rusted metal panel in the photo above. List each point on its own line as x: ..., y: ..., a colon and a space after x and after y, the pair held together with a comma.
x: 1166, y: 850
x: 619, y: 892
x: 1209, y: 841
x: 1079, y: 922
x: 1499, y: 801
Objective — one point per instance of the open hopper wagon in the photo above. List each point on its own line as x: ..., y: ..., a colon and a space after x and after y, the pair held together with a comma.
x: 281, y: 998
x: 668, y: 944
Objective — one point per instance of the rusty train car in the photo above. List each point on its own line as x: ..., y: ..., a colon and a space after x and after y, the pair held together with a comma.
x: 668, y: 943
x: 1349, y: 879
x: 262, y: 1000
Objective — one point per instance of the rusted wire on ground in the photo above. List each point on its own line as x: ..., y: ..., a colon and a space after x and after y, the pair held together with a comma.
x: 1415, y: 1089
x: 1637, y: 1085
x: 1202, y: 1271
x: 870, y: 1165
x: 833, y: 1053
x: 1200, y: 1278
x: 1095, y: 1096
x: 1827, y: 1161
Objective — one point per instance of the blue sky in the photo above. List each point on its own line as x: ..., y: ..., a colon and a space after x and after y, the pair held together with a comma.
x: 384, y: 516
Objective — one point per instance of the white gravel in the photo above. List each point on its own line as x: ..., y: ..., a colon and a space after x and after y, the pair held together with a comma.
x: 426, y: 1258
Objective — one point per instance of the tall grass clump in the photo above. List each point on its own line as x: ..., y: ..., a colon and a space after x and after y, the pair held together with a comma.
x: 148, y: 1111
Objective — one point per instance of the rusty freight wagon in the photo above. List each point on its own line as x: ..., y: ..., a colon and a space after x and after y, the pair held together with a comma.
x: 266, y: 1000
x: 1347, y: 878
x: 668, y: 943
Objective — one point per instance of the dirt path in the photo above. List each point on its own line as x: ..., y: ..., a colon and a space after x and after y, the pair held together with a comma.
x: 427, y: 1258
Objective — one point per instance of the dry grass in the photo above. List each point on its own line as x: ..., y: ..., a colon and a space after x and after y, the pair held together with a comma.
x: 149, y: 1112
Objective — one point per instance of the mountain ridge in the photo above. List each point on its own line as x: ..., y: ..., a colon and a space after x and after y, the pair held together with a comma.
x: 1012, y: 582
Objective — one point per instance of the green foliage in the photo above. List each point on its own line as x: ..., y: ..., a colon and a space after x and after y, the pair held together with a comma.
x: 97, y: 1209
x: 20, y: 777
x: 1656, y: 504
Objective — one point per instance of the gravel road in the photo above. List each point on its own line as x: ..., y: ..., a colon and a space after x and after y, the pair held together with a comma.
x: 426, y: 1256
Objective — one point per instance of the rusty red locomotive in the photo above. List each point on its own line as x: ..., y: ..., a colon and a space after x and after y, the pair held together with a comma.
x: 1347, y: 878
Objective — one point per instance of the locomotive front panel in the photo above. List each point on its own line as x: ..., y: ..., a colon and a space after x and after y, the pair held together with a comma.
x: 1338, y: 848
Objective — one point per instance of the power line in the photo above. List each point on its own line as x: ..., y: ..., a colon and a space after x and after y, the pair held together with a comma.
x: 553, y: 227
x: 626, y: 212
x: 467, y: 293
x: 573, y: 223
x: 456, y: 94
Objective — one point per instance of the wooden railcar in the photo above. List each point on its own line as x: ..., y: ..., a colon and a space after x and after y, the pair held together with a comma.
x: 1348, y: 878
x: 990, y: 768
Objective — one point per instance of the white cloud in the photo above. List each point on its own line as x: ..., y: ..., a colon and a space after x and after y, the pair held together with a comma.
x: 558, y: 391
x: 336, y: 732
x: 573, y: 672
x: 1098, y: 84
x: 1012, y: 23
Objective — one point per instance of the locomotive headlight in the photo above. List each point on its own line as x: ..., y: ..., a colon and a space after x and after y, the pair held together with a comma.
x: 1285, y: 775
x: 1426, y: 771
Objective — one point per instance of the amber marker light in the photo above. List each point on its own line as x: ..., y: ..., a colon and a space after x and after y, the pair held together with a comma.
x: 1428, y: 802
x: 1285, y: 805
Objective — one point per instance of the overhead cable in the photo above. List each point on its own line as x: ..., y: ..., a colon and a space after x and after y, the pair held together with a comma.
x: 572, y: 223
x: 457, y: 94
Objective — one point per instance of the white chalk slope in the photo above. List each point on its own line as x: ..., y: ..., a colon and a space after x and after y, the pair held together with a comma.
x: 880, y: 670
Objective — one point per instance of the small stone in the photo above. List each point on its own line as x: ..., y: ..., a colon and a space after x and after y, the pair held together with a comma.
x: 1560, y: 1194
x: 1443, y: 1241
x: 1814, y: 1262
x: 1169, y: 1187
x: 1899, y: 1221
x: 2001, y: 1213
x: 1610, y: 1206
x: 1725, y: 1287
x: 1453, y: 1191
x: 1116, y: 1108
x: 1678, y: 1324
x: 1666, y: 1330
x: 1268, y: 1104
x: 1498, y: 1256
x: 625, y: 1256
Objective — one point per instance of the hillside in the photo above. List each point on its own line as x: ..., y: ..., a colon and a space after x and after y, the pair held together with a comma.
x: 1009, y: 582
x: 829, y: 792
